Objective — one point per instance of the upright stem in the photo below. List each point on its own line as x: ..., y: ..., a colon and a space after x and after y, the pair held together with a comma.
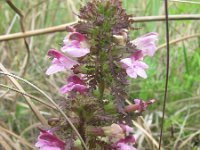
x: 167, y: 73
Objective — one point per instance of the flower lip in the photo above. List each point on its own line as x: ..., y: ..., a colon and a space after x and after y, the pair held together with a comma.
x: 47, y: 141
x: 146, y: 43
x: 75, y: 45
x: 137, y: 55
x: 60, y: 62
x: 75, y: 79
x: 55, y: 54
x: 74, y: 83
x: 76, y: 36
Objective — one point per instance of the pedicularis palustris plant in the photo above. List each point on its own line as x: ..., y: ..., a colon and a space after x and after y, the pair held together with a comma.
x: 99, y: 56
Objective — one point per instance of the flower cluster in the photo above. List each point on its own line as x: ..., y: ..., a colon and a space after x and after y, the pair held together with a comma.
x: 75, y: 46
x: 98, y: 55
x: 145, y: 46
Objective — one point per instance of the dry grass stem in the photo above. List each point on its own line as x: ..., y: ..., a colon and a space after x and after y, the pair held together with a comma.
x: 62, y: 28
x: 179, y: 40
x: 22, y: 25
x: 29, y: 95
x: 28, y: 100
x: 21, y: 140
x: 146, y: 134
x: 183, y: 1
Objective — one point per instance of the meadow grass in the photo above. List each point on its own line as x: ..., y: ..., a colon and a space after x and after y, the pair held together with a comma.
x: 181, y: 128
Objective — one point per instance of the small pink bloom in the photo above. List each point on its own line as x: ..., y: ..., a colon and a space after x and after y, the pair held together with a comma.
x: 129, y: 139
x: 146, y: 43
x: 75, y: 45
x: 60, y: 62
x: 127, y: 129
x: 142, y: 105
x: 125, y: 143
x: 47, y: 141
x: 124, y: 146
x: 134, y: 67
x: 74, y: 83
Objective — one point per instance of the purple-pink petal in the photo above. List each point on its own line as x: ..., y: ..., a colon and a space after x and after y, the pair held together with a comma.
x: 137, y: 55
x: 74, y: 83
x: 75, y: 51
x: 140, y: 72
x: 146, y: 43
x: 134, y: 67
x: 47, y: 141
x: 75, y: 45
x: 60, y: 62
x: 75, y: 36
x: 75, y: 79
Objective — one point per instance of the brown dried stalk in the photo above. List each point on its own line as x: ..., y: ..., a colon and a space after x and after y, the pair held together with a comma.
x: 179, y: 40
x: 62, y: 27
x: 26, y: 59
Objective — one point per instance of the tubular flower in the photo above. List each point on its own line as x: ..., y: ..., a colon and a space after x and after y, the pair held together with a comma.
x: 138, y: 106
x: 60, y: 62
x: 146, y: 43
x: 114, y: 131
x: 120, y: 136
x: 74, y: 83
x: 47, y: 141
x: 134, y: 67
x: 75, y: 45
x: 142, y: 105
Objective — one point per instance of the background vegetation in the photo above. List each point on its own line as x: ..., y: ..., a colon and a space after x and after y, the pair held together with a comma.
x: 181, y: 130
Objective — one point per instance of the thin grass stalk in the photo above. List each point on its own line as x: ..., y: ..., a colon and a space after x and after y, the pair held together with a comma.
x: 183, y: 1
x: 178, y: 40
x: 4, y: 144
x: 33, y: 126
x: 188, y: 139
x: 29, y: 95
x: 9, y: 140
x: 21, y: 140
x: 167, y: 73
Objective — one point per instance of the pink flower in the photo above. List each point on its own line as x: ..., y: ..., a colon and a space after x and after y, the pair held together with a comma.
x: 124, y: 146
x: 60, y: 62
x: 146, y: 43
x: 120, y: 136
x: 74, y: 83
x: 75, y: 45
x: 47, y: 141
x: 142, y: 105
x: 134, y: 67
x: 127, y: 129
